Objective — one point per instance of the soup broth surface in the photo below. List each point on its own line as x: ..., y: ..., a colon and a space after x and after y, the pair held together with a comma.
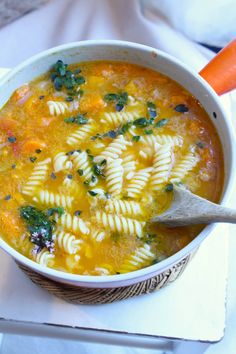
x: 89, y: 153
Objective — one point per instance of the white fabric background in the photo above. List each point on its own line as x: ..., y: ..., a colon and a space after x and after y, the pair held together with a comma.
x: 64, y: 21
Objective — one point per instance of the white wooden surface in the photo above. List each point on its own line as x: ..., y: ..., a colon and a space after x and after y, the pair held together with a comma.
x: 192, y: 308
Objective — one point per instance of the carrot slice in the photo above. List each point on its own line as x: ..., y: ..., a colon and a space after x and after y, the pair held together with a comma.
x: 220, y: 72
x: 31, y: 145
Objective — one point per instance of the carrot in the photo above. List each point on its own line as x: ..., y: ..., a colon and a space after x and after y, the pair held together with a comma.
x: 21, y: 92
x: 91, y: 102
x: 29, y: 146
x: 220, y: 72
x: 10, y: 224
x: 8, y: 124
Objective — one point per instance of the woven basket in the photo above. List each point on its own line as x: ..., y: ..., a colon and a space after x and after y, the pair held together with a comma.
x: 79, y: 295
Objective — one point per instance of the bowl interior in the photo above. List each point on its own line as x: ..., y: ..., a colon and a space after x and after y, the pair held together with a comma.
x: 144, y: 56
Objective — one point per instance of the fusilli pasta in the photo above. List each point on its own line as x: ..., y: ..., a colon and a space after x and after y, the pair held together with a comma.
x: 182, y: 167
x: 114, y: 149
x: 72, y: 223
x: 53, y: 199
x: 125, y: 207
x: 57, y: 108
x: 67, y: 242
x: 114, y: 176
x: 162, y: 164
x: 120, y: 224
x: 116, y: 118
x: 140, y: 258
x: 138, y: 182
x: 37, y: 177
x: 44, y: 258
x: 80, y: 134
x: 61, y: 162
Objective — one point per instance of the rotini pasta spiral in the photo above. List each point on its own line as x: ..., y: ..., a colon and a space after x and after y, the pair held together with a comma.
x: 114, y: 176
x: 57, y: 108
x: 140, y: 258
x: 161, y: 139
x: 120, y: 224
x: 80, y: 134
x: 71, y: 186
x: 113, y: 150
x: 116, y: 118
x: 162, y: 164
x: 67, y: 242
x: 44, y: 258
x: 125, y: 207
x: 72, y: 223
x: 138, y: 182
x: 48, y: 198
x: 129, y: 166
x: 185, y: 165
x: 98, y: 235
x: 61, y: 162
x: 37, y: 177
x: 81, y: 162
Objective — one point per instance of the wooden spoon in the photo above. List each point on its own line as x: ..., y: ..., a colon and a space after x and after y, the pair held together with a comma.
x: 188, y: 209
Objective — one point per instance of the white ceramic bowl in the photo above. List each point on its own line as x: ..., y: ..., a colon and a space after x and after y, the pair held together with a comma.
x: 168, y: 269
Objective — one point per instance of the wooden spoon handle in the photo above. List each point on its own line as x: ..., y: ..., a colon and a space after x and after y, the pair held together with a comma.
x: 220, y: 72
x: 189, y: 209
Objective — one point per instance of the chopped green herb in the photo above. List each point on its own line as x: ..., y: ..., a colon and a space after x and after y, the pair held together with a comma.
x: 79, y: 119
x: 148, y: 131
x: 53, y: 176
x: 136, y: 138
x: 69, y: 99
x: 39, y: 226
x: 80, y: 172
x: 57, y: 210
x: 103, y: 162
x: 120, y: 99
x: 92, y: 193
x: 111, y: 97
x: 169, y: 187
x: 141, y: 122
x: 86, y: 182
x: 161, y: 123
x: 13, y: 166
x: 8, y: 197
x: 11, y: 139
x: 148, y: 238
x: 77, y: 212
x: 69, y: 176
x: 107, y: 195
x: 41, y: 97
x: 181, y: 108
x: 64, y: 78
x: 38, y: 151
x: 33, y: 158
x: 151, y: 107
x: 200, y: 144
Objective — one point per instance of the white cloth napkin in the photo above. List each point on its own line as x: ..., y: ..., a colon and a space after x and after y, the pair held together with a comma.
x: 62, y: 21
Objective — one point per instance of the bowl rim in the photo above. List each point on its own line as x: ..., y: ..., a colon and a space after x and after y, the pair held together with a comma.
x: 176, y: 257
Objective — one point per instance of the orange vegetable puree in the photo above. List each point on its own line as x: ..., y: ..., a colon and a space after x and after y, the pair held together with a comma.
x: 89, y: 153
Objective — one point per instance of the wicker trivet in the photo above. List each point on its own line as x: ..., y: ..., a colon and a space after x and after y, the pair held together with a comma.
x: 79, y: 295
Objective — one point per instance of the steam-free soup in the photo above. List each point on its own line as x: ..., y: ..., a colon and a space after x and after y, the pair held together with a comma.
x: 89, y: 153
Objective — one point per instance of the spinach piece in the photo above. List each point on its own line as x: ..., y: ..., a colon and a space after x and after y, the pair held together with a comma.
x: 161, y: 123
x: 151, y: 108
x: 67, y: 79
x: 136, y: 138
x: 57, y: 210
x: 80, y: 119
x: 120, y: 99
x: 169, y: 187
x: 181, y: 108
x: 39, y: 226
